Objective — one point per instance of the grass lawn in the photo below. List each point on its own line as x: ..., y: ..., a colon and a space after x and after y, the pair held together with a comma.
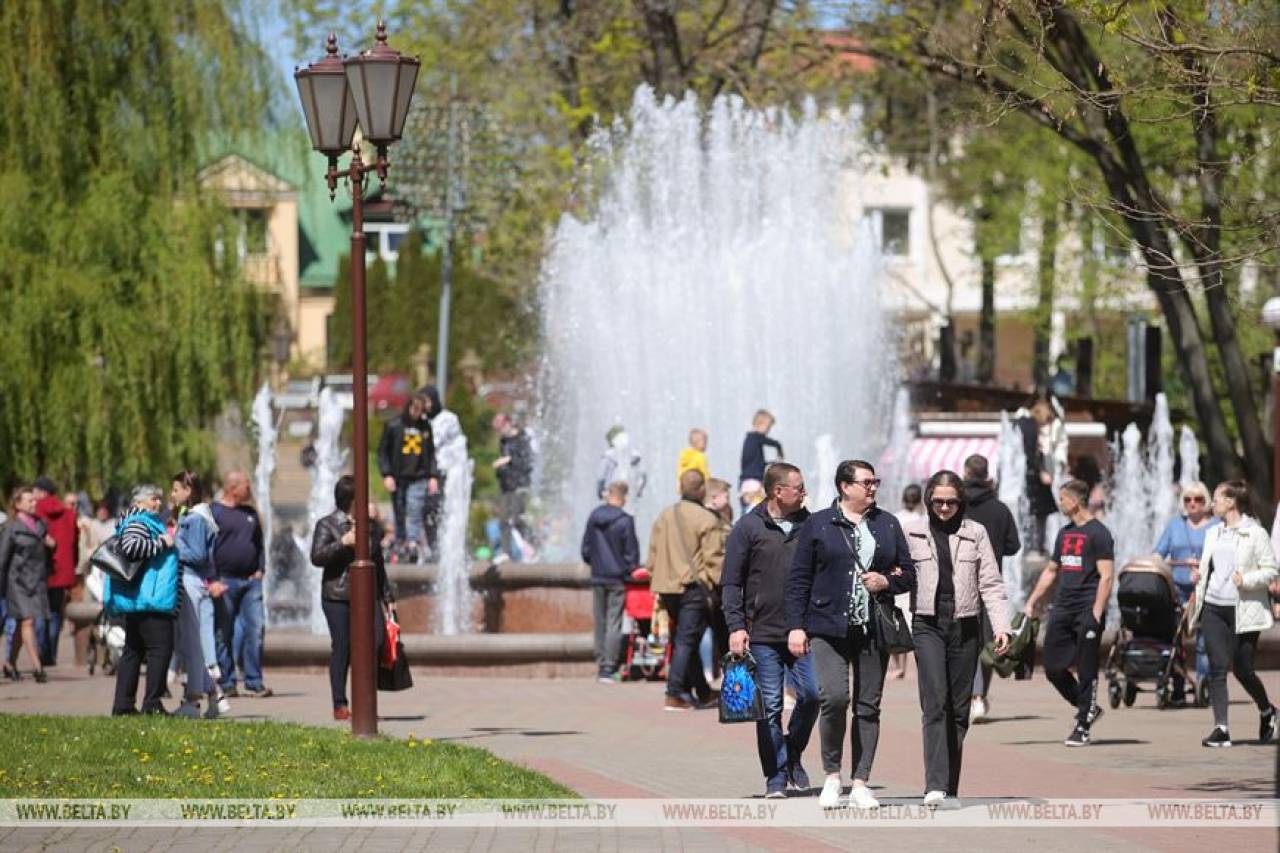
x: 145, y: 757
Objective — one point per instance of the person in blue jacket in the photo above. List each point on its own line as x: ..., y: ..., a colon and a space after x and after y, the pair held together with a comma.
x: 851, y: 559
x: 195, y: 533
x: 148, y: 603
x: 611, y: 549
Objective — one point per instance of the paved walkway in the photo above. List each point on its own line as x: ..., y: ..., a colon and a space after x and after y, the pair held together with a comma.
x: 615, y: 741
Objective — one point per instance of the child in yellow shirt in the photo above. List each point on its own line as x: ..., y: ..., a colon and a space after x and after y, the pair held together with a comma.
x: 694, y: 457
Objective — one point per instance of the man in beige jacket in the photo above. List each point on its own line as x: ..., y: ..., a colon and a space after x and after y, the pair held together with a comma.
x: 686, y: 556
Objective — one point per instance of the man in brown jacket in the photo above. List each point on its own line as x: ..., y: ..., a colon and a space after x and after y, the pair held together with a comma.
x: 686, y: 556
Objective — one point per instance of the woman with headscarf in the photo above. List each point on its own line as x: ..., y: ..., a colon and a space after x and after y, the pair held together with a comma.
x: 956, y: 576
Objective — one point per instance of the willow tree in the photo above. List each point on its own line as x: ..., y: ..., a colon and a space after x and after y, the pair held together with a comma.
x: 126, y: 328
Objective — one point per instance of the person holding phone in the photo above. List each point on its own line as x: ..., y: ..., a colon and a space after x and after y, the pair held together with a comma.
x: 333, y: 550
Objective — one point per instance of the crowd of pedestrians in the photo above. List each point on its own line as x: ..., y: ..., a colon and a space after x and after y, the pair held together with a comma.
x: 817, y: 599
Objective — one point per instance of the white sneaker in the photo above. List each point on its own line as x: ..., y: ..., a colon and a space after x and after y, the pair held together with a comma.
x: 933, y: 799
x: 215, y: 672
x: 860, y: 798
x: 224, y: 705
x: 830, y: 796
x: 978, y: 710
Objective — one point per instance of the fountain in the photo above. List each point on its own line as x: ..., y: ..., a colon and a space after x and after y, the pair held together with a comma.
x: 330, y: 462
x: 264, y: 426
x: 1189, y: 455
x: 453, y: 583
x: 721, y: 266
x: 823, y: 487
x: 897, y: 474
x: 1162, y: 499
x: 1011, y: 482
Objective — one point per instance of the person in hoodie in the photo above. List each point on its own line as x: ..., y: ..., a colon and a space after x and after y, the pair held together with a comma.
x: 24, y: 565
x: 62, y: 526
x: 1002, y: 532
x: 195, y: 534
x: 444, y: 427
x: 407, y: 460
x: 751, y: 470
x: 611, y: 549
x: 148, y: 603
x: 757, y: 558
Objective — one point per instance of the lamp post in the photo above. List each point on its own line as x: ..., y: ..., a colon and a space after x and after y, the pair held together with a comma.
x: 372, y: 89
x: 1271, y: 317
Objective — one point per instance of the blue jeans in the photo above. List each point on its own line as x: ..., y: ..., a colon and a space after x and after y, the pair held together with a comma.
x: 240, y: 626
x: 415, y: 510
x: 49, y: 630
x: 778, y: 750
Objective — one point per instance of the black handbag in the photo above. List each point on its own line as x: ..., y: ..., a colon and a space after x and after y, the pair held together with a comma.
x: 396, y: 677
x: 111, y: 561
x: 893, y: 631
x: 740, y: 698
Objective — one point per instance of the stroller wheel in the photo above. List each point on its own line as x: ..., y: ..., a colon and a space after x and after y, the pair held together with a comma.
x: 1202, y: 693
x: 1130, y: 693
x: 1113, y: 694
x: 1163, y: 699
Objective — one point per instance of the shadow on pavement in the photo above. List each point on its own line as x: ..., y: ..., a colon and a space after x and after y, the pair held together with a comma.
x: 1116, y: 741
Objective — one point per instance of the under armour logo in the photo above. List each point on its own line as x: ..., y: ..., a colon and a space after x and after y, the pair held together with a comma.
x: 1089, y: 635
x: 412, y: 445
x: 1073, y: 544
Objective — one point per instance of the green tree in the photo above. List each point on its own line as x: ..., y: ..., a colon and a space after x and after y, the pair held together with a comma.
x: 126, y: 327
x: 1172, y: 103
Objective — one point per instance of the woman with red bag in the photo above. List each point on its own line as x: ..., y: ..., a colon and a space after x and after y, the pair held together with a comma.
x: 333, y: 551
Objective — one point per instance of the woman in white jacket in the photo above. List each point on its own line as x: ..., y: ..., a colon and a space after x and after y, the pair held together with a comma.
x: 1232, y: 606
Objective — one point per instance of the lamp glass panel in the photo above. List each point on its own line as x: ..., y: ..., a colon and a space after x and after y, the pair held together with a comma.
x: 374, y: 85
x: 408, y: 77
x: 304, y: 82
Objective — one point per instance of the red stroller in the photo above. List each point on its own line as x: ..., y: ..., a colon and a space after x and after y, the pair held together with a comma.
x: 645, y: 657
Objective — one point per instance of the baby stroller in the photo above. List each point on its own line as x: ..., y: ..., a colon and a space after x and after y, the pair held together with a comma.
x: 645, y: 656
x: 1150, y: 644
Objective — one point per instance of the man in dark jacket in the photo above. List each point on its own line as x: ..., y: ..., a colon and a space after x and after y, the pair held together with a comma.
x: 239, y: 615
x: 757, y: 558
x: 1002, y: 529
x: 610, y: 548
x: 407, y: 460
x: 514, y: 466
x: 333, y: 550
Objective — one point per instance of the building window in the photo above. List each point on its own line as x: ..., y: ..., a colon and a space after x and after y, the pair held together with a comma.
x: 253, y: 222
x: 382, y: 239
x: 895, y: 231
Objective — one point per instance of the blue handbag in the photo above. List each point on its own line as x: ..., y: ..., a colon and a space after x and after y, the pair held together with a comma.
x: 740, y: 697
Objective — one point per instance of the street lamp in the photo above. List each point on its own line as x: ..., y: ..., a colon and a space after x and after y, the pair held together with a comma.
x: 1271, y: 317
x: 373, y: 88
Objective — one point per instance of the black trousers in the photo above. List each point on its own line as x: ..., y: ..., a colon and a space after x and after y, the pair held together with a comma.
x: 688, y: 610
x: 1228, y: 650
x: 1073, y: 638
x: 149, y: 636
x: 338, y: 615
x: 946, y: 658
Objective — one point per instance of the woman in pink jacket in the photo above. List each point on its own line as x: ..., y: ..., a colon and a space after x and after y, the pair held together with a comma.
x: 956, y: 568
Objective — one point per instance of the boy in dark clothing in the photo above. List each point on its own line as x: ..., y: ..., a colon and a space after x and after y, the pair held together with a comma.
x: 753, y: 460
x: 407, y: 460
x: 514, y: 467
x: 610, y: 547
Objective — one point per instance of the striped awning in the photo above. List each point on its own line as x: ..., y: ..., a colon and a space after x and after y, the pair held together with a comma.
x: 927, y: 456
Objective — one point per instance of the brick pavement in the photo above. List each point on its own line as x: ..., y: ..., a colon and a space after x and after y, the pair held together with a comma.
x: 614, y: 741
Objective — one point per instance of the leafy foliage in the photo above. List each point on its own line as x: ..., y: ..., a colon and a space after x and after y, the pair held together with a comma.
x: 126, y: 328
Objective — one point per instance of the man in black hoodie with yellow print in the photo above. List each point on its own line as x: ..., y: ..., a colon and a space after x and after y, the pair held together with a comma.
x: 611, y: 549
x: 407, y: 460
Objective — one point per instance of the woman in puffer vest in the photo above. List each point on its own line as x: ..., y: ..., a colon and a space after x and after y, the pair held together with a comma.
x: 148, y: 603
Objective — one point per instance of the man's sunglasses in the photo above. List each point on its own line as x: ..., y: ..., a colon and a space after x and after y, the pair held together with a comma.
x: 869, y: 484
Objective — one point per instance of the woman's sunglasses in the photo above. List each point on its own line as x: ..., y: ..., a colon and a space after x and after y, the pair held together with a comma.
x: 1193, y: 499
x: 944, y: 503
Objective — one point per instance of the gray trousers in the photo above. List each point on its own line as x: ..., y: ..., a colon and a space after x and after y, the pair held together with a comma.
x: 835, y: 660
x: 606, y: 606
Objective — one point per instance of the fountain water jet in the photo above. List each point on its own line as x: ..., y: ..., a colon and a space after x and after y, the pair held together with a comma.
x: 1011, y: 483
x: 330, y: 462
x: 1189, y: 455
x: 721, y: 267
x: 453, y: 584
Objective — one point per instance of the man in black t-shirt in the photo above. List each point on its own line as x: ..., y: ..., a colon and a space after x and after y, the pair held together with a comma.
x: 1083, y: 566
